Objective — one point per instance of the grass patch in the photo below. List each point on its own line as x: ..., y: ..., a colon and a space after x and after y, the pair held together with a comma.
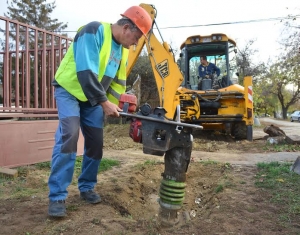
x: 147, y: 163
x: 209, y: 162
x: 22, y: 191
x: 150, y: 163
x: 281, y: 147
x: 43, y: 165
x: 219, y: 188
x: 283, y: 186
x: 72, y: 207
x: 27, y: 185
x: 107, y: 164
x: 18, y: 188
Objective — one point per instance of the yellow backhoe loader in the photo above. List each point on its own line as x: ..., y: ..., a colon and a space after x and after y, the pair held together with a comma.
x: 216, y: 103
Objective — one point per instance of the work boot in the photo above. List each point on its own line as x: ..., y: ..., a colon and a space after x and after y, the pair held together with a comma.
x: 90, y: 196
x: 57, y: 208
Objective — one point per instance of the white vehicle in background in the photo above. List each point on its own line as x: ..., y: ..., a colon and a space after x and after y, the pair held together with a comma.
x: 295, y: 116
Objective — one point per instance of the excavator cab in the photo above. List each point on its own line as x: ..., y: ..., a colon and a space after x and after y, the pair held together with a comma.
x: 219, y: 50
x: 215, y: 100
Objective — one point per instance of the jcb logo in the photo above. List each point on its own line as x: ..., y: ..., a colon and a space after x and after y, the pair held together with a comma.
x: 163, y: 68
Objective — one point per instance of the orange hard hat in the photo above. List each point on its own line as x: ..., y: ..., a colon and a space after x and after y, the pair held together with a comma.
x: 140, y: 17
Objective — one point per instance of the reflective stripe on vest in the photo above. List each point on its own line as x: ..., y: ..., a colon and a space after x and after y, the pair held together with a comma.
x: 118, y: 85
x: 66, y: 75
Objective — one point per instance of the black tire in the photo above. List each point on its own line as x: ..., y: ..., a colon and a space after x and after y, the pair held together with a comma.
x: 239, y: 131
x: 292, y: 119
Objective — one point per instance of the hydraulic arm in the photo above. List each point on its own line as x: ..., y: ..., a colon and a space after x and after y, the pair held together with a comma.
x: 167, y: 75
x: 160, y: 130
x: 156, y: 128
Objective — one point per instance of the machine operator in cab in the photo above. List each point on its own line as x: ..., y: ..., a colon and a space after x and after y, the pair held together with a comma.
x: 207, y: 69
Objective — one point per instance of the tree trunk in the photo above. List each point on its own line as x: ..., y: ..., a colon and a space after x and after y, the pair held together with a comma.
x: 284, y: 112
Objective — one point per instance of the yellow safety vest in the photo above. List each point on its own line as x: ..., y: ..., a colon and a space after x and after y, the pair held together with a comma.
x: 66, y: 75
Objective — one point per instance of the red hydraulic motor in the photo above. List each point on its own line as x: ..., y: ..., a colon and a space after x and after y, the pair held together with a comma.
x: 128, y: 103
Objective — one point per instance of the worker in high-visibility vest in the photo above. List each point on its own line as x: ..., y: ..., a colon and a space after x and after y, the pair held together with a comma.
x: 88, y: 84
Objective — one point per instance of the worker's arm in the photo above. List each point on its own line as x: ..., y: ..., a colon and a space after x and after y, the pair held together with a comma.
x: 110, y: 109
x: 87, y: 45
x: 218, y: 71
x: 201, y: 74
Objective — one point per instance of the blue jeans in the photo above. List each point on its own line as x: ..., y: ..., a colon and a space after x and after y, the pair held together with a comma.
x: 74, y: 115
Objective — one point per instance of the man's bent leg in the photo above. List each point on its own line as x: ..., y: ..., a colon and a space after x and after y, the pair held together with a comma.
x: 92, y: 129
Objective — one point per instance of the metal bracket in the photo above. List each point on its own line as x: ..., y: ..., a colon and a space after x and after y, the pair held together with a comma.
x: 159, y: 134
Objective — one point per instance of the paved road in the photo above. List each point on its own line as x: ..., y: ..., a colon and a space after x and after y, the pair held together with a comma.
x: 290, y: 128
x: 281, y: 122
x: 133, y: 157
x: 245, y: 158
